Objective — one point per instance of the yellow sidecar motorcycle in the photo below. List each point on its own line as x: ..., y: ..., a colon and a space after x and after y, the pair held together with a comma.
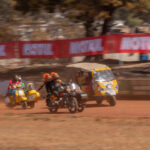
x: 18, y: 99
x: 23, y: 97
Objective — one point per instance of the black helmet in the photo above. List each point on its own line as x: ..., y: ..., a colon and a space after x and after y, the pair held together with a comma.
x: 16, y: 77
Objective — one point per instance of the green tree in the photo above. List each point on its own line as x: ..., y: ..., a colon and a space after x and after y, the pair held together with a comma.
x: 7, y: 14
x: 87, y: 11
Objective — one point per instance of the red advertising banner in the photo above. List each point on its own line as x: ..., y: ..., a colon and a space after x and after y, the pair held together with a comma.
x: 87, y: 46
x: 7, y: 50
x: 62, y: 48
x: 117, y: 43
x: 133, y: 43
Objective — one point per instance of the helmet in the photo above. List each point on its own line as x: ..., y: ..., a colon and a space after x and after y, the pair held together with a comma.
x: 30, y: 86
x: 46, y: 77
x: 54, y: 75
x: 19, y: 78
x: 16, y: 77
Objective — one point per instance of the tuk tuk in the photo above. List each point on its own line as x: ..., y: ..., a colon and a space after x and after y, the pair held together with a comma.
x: 98, y: 81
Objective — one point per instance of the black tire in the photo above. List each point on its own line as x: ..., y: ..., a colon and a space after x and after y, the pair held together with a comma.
x: 24, y: 104
x: 112, y: 100
x: 73, y: 105
x: 99, y: 100
x: 52, y: 108
x: 80, y: 107
x: 32, y: 104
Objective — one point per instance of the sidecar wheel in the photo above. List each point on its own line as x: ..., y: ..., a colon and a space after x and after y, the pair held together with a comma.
x: 32, y: 104
x: 24, y: 104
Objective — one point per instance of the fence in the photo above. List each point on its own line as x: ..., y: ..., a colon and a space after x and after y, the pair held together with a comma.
x: 122, y: 43
x: 133, y: 88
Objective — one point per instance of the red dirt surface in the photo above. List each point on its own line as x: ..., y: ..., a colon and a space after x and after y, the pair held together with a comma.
x: 123, y: 127
x: 123, y: 108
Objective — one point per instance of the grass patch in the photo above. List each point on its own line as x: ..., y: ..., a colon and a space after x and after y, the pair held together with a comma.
x: 9, y: 114
x: 74, y: 117
x: 44, y: 119
x: 28, y: 115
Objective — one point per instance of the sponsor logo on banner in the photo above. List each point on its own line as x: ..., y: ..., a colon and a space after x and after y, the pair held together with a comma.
x: 2, y: 50
x: 135, y: 43
x: 37, y: 49
x: 86, y: 46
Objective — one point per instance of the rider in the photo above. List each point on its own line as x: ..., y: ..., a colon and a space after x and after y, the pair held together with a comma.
x: 48, y: 83
x: 13, y: 85
x: 58, y: 85
x: 21, y: 81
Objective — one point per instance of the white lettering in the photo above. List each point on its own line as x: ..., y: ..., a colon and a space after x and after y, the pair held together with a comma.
x: 2, y: 50
x: 86, y: 46
x: 37, y: 49
x: 135, y: 43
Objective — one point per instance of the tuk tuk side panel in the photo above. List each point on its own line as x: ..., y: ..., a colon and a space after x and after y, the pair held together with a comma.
x: 84, y: 83
x: 96, y: 86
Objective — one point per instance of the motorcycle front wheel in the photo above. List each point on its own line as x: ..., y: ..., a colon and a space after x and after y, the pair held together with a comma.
x: 73, y: 105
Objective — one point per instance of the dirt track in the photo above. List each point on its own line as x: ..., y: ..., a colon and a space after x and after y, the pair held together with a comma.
x: 124, y: 108
x: 123, y: 127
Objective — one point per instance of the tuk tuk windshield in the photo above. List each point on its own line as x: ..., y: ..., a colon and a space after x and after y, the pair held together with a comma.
x: 104, y: 76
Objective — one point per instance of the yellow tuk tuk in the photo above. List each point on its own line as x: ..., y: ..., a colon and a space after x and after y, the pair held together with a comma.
x: 98, y: 81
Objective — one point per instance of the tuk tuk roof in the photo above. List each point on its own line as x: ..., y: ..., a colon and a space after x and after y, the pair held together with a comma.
x: 88, y: 66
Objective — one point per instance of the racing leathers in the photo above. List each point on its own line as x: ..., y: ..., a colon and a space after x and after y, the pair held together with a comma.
x: 53, y: 89
x: 48, y: 86
x: 58, y: 87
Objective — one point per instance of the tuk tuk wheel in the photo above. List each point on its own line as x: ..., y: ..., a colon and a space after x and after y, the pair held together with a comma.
x: 81, y: 107
x: 112, y: 100
x: 99, y: 100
